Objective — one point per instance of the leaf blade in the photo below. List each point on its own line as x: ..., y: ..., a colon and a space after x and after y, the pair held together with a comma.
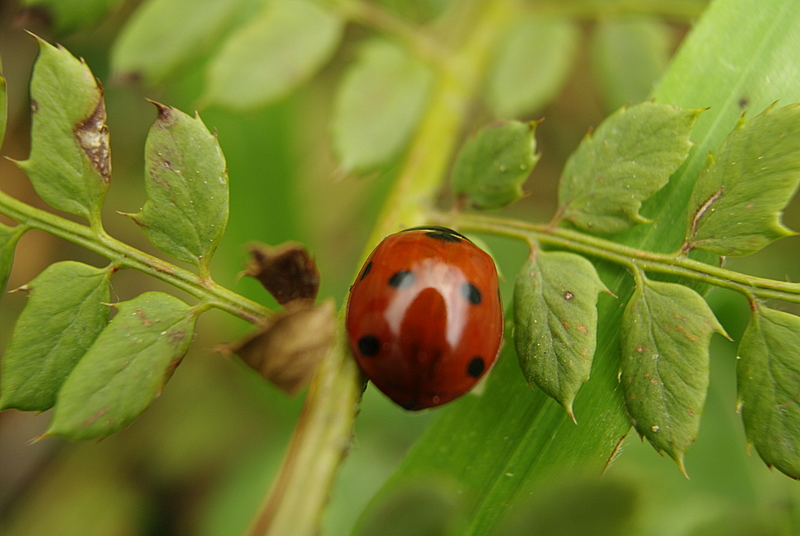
x: 555, y: 318
x: 738, y: 200
x: 125, y: 368
x: 63, y: 317
x: 70, y: 160
x: 378, y: 103
x: 664, y: 367
x: 626, y: 160
x: 491, y: 167
x: 767, y: 373
x: 187, y: 205
x: 280, y: 48
x: 150, y: 49
x: 531, y: 65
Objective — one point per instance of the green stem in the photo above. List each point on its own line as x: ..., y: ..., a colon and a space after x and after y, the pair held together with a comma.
x: 593, y: 246
x: 125, y: 256
x: 322, y: 436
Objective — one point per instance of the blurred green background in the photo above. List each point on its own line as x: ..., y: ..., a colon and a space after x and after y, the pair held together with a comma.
x: 202, y: 457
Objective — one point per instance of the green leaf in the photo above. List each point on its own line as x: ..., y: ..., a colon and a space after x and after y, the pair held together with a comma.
x: 737, y: 202
x: 163, y: 35
x: 9, y: 236
x: 70, y: 161
x: 531, y: 64
x: 187, y: 188
x: 491, y: 167
x: 626, y: 160
x: 126, y: 367
x: 555, y: 322
x: 629, y: 56
x: 664, y: 367
x: 63, y: 317
x: 73, y: 15
x: 280, y: 48
x: 768, y: 373
x: 378, y: 104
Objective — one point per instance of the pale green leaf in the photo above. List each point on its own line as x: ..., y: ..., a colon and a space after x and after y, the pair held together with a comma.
x: 626, y: 160
x: 278, y: 49
x: 531, y: 64
x: 65, y: 312
x: 491, y: 166
x: 73, y: 15
x: 664, y: 366
x: 164, y: 35
x: 768, y: 374
x: 737, y: 202
x: 187, y: 188
x: 126, y: 367
x: 629, y: 55
x: 555, y: 322
x: 378, y: 104
x: 70, y: 161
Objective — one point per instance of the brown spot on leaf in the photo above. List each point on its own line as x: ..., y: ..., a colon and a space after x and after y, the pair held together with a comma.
x: 91, y: 420
x: 92, y: 136
x: 568, y: 296
x: 140, y: 313
x: 582, y: 329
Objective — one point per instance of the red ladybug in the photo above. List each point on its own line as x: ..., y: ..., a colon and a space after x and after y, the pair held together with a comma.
x: 425, y: 321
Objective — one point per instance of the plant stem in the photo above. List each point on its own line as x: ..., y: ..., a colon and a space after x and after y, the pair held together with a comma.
x: 322, y: 436
x: 593, y: 246
x: 125, y: 256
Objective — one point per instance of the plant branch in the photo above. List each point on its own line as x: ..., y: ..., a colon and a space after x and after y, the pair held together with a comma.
x: 125, y: 256
x: 593, y: 246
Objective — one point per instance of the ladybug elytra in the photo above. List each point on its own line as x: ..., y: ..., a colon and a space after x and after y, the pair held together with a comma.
x: 424, y: 319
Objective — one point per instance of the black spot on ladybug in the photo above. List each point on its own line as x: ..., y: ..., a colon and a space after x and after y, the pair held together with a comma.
x: 366, y: 271
x: 471, y: 293
x: 369, y: 345
x: 402, y: 279
x: 476, y: 366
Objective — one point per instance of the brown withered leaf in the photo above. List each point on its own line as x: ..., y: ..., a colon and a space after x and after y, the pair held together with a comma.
x: 287, y: 271
x: 286, y: 352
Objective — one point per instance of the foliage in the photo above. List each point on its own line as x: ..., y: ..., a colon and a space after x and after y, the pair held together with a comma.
x: 609, y: 317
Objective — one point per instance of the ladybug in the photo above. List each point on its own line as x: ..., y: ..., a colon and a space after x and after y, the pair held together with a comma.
x: 425, y: 319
